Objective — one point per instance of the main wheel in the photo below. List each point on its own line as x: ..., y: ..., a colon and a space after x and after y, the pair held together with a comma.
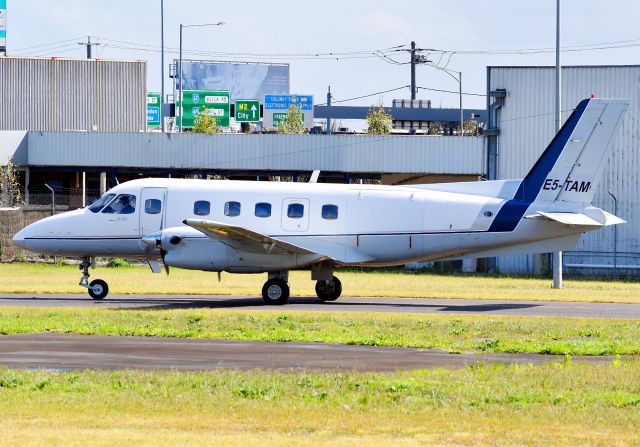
x: 98, y: 289
x: 329, y: 290
x: 275, y: 291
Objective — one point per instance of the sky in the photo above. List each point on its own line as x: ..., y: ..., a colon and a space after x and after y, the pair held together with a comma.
x: 375, y: 34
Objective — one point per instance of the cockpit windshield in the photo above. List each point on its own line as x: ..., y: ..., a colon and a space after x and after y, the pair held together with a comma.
x: 101, y: 202
x: 123, y: 204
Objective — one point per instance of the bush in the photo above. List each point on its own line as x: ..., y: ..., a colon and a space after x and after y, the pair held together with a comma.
x: 118, y: 263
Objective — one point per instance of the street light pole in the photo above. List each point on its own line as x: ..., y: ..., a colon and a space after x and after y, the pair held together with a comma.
x: 557, y: 256
x: 461, y: 111
x: 161, y: 63
x: 180, y: 65
x: 615, y: 236
x: 180, y: 80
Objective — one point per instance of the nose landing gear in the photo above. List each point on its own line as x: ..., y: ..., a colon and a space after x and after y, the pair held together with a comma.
x: 97, y: 288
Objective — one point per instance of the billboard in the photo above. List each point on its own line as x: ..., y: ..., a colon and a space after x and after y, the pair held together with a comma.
x: 241, y: 80
x: 3, y: 26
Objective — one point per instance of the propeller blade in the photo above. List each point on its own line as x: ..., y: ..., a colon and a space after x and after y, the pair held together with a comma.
x: 166, y: 267
x: 219, y: 276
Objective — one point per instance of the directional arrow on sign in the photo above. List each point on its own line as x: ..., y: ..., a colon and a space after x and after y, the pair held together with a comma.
x: 253, y: 111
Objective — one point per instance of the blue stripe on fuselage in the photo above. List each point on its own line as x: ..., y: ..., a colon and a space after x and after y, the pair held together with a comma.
x: 513, y: 210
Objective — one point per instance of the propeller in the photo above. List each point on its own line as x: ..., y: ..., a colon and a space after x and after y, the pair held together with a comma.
x: 154, y: 240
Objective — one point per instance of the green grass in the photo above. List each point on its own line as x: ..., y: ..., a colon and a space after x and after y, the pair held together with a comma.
x: 30, y: 278
x: 573, y: 336
x: 556, y: 404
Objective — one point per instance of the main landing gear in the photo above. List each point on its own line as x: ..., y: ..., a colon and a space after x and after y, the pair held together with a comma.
x: 97, y: 288
x: 276, y: 290
x: 329, y: 290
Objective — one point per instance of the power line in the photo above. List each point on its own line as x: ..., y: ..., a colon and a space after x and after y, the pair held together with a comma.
x: 368, y: 95
x: 451, y: 91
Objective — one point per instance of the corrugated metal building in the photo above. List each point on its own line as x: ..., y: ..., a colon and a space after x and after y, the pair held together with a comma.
x: 67, y: 94
x: 526, y: 124
x: 240, y: 152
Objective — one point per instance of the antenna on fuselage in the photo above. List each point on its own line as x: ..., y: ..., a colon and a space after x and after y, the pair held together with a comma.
x: 314, y: 176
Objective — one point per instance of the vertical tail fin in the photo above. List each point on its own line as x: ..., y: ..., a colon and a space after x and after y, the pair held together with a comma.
x: 570, y: 167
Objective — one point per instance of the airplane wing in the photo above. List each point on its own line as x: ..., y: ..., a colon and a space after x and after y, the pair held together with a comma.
x: 244, y: 239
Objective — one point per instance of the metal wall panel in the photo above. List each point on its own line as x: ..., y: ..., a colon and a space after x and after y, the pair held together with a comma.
x: 13, y: 146
x: 66, y: 94
x: 341, y: 153
x: 526, y: 123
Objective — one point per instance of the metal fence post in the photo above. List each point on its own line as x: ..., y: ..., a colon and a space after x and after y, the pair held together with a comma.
x: 53, y: 199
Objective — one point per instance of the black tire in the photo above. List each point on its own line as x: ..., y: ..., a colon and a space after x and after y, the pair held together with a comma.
x: 329, y: 290
x: 275, y: 291
x: 98, y: 289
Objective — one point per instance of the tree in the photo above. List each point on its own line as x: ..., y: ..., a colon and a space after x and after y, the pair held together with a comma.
x: 471, y: 128
x: 294, y: 123
x: 435, y: 128
x: 379, y: 120
x: 9, y: 185
x: 204, y: 123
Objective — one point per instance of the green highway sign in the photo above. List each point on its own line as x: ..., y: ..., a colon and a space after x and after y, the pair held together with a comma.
x: 247, y: 110
x: 153, y: 110
x: 215, y: 104
x: 278, y: 118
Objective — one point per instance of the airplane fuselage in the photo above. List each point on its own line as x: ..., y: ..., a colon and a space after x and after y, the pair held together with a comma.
x: 367, y: 224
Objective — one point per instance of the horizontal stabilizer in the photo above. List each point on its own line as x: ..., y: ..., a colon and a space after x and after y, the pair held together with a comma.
x: 592, y: 219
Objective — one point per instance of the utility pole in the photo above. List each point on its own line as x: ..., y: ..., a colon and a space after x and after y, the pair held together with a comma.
x: 88, y: 45
x: 557, y: 256
x: 413, y: 70
x: 329, y: 107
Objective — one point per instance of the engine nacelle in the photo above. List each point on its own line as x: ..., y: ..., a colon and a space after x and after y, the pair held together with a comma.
x: 188, y: 248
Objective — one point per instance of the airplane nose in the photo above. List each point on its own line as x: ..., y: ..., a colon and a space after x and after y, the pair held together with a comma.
x: 18, y: 239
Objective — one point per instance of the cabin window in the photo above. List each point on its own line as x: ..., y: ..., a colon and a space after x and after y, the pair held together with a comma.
x: 330, y: 212
x: 152, y: 206
x: 123, y: 204
x: 201, y: 208
x: 101, y: 202
x: 263, y: 209
x: 295, y: 210
x: 232, y: 209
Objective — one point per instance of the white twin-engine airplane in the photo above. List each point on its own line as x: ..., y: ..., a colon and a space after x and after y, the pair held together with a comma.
x: 253, y: 227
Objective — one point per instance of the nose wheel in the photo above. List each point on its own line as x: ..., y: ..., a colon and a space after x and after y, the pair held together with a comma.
x: 97, y: 288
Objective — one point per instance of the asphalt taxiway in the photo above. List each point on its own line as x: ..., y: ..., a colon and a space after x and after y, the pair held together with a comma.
x: 69, y: 352
x: 344, y: 304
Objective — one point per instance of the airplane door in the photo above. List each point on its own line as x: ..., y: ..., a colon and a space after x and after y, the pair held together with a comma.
x: 152, y: 211
x: 295, y: 214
